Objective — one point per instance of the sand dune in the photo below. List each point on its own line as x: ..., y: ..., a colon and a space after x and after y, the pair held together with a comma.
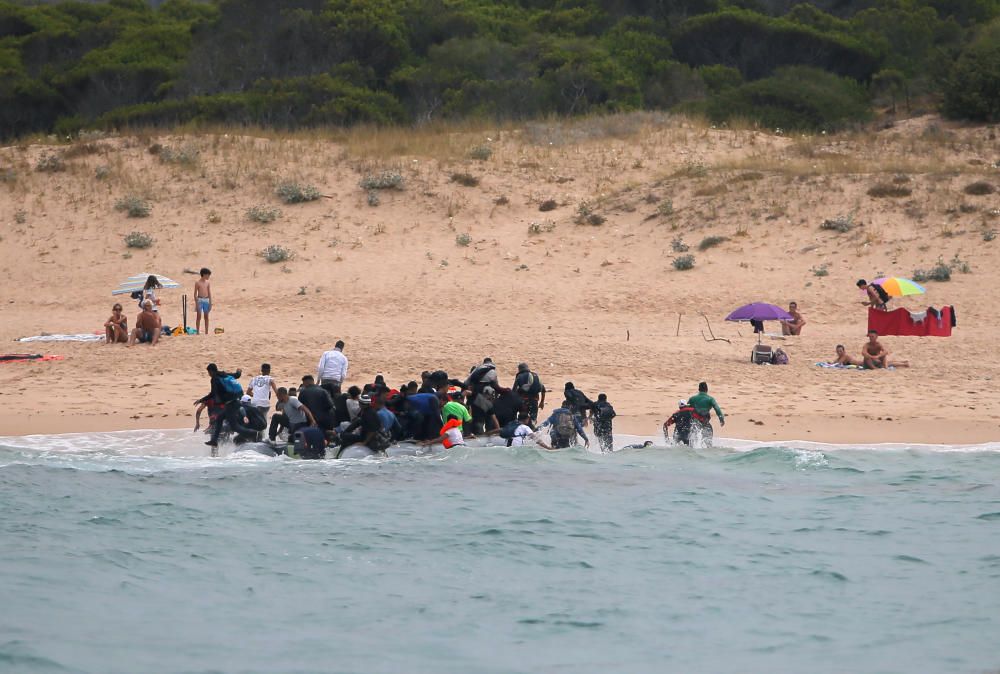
x: 595, y: 304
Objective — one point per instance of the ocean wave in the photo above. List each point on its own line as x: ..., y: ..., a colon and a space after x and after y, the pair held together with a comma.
x: 152, y: 451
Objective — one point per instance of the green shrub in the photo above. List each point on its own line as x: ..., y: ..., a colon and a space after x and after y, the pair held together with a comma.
x: 841, y: 223
x: 463, y: 239
x: 373, y: 198
x: 186, y: 155
x: 548, y: 205
x: 683, y: 262
x: 481, y: 152
x: 50, y: 162
x: 465, y: 179
x: 276, y: 253
x: 794, y: 98
x: 138, y: 240
x: 384, y: 180
x: 678, y: 245
x: 294, y: 193
x: 711, y: 242
x: 820, y: 271
x: 585, y: 215
x: 134, y: 206
x: 939, y: 272
x: 263, y: 214
x: 979, y: 188
x: 880, y: 190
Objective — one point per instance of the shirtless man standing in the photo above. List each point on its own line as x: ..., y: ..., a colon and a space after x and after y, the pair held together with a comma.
x: 843, y: 358
x: 202, y: 298
x: 875, y: 356
x: 794, y: 326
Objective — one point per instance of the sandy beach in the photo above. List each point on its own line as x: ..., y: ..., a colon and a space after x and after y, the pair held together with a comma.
x: 600, y: 305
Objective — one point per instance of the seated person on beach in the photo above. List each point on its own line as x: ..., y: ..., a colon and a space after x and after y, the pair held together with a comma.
x: 794, y: 326
x: 844, y: 359
x: 875, y: 356
x: 116, y: 327
x: 147, y: 326
x: 877, y: 297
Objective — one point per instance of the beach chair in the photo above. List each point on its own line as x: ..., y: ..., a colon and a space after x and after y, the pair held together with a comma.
x: 762, y: 353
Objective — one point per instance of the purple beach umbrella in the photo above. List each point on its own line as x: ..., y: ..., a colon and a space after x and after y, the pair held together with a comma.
x: 759, y: 311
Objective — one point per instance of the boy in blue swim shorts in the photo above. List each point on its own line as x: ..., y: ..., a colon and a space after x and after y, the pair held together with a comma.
x: 203, y: 298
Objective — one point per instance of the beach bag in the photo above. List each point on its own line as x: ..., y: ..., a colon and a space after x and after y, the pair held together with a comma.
x: 779, y: 357
x: 564, y: 426
x: 761, y: 354
x: 231, y: 387
x: 507, y: 430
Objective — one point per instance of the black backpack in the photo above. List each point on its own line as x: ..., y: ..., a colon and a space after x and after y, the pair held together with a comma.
x: 882, y: 294
x: 475, y: 379
x: 604, y: 412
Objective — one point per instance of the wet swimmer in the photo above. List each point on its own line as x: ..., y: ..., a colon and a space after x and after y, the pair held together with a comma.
x: 639, y: 445
x: 681, y: 421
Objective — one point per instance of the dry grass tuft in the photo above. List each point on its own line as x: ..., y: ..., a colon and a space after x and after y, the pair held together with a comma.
x: 881, y: 190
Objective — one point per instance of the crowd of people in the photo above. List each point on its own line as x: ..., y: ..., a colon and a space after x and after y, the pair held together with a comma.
x: 319, y: 414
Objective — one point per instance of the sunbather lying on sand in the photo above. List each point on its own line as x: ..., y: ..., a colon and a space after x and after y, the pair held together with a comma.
x: 843, y: 358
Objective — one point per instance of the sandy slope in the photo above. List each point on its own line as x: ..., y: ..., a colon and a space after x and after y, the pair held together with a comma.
x: 597, y: 305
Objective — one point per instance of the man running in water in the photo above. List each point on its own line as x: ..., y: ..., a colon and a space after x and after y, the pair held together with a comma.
x: 703, y: 405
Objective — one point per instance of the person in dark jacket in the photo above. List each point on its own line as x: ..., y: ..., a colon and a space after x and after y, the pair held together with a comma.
x: 319, y: 402
x: 602, y: 414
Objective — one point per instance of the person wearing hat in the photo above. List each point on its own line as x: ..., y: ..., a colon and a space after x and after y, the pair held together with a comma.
x: 365, y: 428
x: 454, y: 407
x: 528, y: 385
x: 484, y: 418
x: 681, y: 421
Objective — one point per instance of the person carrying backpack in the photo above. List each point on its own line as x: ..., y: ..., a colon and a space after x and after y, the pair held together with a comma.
x: 579, y: 404
x: 226, y: 392
x: 564, y: 426
x: 528, y: 385
x: 878, y: 298
x: 602, y: 413
x: 481, y: 376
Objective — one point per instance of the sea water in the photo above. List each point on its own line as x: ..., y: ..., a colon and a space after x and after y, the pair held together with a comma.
x: 136, y: 552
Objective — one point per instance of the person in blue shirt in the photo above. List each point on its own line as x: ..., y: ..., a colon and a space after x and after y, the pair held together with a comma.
x: 564, y: 426
x: 390, y: 423
x: 424, y: 415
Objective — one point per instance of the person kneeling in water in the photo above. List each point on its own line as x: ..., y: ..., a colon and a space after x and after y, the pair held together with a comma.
x: 451, y: 434
x: 370, y: 425
x: 311, y: 442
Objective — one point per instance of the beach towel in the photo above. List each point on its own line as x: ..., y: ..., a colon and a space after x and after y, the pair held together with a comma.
x: 45, y: 337
x: 6, y: 358
x: 838, y: 366
x: 904, y: 323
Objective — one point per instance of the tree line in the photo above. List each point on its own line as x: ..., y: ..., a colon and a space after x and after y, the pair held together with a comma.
x: 65, y: 66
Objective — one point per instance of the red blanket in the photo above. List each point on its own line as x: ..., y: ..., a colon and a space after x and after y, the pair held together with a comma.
x: 901, y: 322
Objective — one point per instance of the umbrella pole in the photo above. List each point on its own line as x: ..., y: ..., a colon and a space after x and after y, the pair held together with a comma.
x: 184, y: 310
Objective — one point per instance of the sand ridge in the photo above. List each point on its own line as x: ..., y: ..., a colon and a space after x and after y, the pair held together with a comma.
x: 597, y: 305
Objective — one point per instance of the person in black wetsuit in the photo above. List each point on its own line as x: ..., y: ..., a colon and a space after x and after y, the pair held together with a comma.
x: 681, y: 420
x: 602, y: 415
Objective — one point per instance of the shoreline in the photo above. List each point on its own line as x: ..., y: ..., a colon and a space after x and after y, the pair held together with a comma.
x: 807, y: 428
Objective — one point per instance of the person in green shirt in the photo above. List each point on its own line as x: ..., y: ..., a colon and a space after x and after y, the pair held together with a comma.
x: 703, y: 405
x: 456, y: 408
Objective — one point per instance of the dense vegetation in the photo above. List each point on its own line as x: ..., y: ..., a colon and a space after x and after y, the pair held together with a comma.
x: 71, y: 65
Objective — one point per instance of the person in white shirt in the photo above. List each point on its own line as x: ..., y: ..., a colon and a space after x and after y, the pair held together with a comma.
x: 524, y: 433
x: 260, y: 388
x: 332, y: 369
